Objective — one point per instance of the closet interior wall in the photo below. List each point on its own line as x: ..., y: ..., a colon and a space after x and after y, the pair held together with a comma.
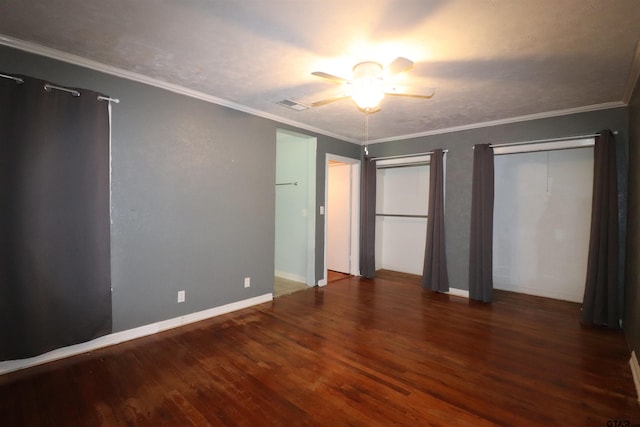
x: 542, y: 215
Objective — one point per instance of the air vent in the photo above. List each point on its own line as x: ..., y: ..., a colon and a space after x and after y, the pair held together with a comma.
x: 292, y: 104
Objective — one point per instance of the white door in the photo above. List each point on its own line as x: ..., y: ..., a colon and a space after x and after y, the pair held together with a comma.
x: 339, y: 217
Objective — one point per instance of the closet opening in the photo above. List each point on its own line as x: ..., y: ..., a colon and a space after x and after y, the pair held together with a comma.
x: 295, y: 220
x: 402, y: 198
x: 542, y: 216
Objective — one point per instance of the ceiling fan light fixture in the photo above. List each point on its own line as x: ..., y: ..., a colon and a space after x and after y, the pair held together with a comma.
x: 367, y: 87
x: 371, y: 81
x: 367, y: 96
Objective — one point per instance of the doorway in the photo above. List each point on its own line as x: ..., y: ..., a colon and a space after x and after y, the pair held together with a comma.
x: 295, y: 194
x: 342, y: 219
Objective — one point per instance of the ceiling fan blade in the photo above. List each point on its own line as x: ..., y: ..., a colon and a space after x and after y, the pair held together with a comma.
x: 397, y: 66
x: 330, y: 77
x: 330, y: 100
x: 411, y: 92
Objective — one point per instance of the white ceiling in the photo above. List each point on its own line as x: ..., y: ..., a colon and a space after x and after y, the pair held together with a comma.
x: 489, y: 60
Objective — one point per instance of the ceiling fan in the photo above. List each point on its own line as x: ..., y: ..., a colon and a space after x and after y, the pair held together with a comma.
x: 370, y: 83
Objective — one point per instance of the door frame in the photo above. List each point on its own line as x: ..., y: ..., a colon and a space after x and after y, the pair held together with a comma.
x: 309, y: 211
x: 354, y: 265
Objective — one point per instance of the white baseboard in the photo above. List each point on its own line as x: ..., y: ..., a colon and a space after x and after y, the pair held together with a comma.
x: 635, y: 371
x: 290, y: 276
x: 400, y: 269
x: 458, y: 292
x: 544, y: 293
x: 130, y: 334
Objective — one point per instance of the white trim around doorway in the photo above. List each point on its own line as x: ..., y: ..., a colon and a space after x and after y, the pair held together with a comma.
x: 354, y: 264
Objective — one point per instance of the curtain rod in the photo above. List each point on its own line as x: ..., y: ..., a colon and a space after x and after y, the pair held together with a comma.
x: 48, y: 87
x: 15, y: 79
x: 106, y: 98
x: 404, y: 156
x: 539, y: 141
x: 74, y: 92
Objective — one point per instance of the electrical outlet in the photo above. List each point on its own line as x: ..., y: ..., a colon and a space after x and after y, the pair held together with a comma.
x: 247, y: 282
x: 181, y: 296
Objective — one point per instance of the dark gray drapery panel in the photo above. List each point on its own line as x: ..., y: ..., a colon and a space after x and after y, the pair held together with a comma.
x: 55, y: 279
x: 481, y: 241
x: 368, y: 221
x: 435, y: 275
x: 600, y: 304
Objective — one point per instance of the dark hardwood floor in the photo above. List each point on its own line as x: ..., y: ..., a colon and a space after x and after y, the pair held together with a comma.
x: 334, y: 276
x: 356, y: 352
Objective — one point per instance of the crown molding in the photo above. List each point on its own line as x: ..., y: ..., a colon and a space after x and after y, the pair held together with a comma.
x: 38, y: 49
x: 634, y: 75
x: 528, y: 117
x: 70, y: 58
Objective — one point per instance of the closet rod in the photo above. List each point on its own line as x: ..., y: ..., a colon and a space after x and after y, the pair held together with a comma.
x: 405, y: 156
x: 539, y: 141
x: 287, y: 183
x: 403, y: 216
x: 402, y: 165
x: 15, y: 79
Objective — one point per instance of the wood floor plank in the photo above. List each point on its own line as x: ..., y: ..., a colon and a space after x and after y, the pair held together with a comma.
x: 357, y: 352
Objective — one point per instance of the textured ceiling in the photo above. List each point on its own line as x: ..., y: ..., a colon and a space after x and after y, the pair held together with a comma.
x: 489, y: 60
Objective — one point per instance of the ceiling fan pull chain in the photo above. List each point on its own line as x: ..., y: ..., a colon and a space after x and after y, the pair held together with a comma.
x: 366, y: 134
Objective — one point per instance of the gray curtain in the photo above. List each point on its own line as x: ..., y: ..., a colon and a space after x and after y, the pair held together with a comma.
x: 55, y: 279
x: 481, y: 241
x: 368, y: 220
x: 435, y: 275
x: 600, y: 304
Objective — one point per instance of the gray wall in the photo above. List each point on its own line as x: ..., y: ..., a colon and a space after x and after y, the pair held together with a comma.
x: 459, y: 167
x: 193, y: 195
x: 632, y: 294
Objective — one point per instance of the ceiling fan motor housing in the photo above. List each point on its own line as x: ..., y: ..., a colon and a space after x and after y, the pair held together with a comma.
x: 366, y: 71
